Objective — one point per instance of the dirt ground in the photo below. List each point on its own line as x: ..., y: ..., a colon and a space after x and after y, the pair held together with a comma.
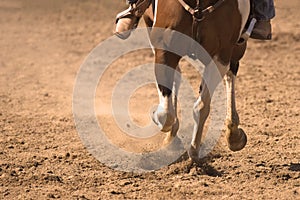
x: 43, y: 44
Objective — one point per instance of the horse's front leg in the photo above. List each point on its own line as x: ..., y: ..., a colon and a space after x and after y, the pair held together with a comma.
x: 236, y: 137
x: 176, y: 84
x: 167, y: 80
x: 200, y: 113
x: 212, y: 76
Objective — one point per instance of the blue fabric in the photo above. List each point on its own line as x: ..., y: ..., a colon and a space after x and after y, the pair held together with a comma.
x: 132, y: 1
x: 263, y: 9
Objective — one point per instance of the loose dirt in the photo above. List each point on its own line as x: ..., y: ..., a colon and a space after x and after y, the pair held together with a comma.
x: 43, y: 44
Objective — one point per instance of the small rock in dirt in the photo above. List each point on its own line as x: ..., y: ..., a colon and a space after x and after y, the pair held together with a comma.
x: 20, y: 169
x: 267, y: 125
x: 286, y: 177
x: 115, y: 192
x: 205, y: 185
x: 82, y: 197
x: 123, y: 183
x: 13, y: 173
x: 36, y: 164
x: 193, y: 171
x: 269, y: 100
x: 136, y: 185
x: 260, y: 165
x: 114, y: 166
x: 53, y: 178
x: 53, y: 196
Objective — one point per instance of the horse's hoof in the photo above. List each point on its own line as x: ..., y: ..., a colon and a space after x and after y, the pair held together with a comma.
x: 193, y: 154
x: 236, y: 140
x: 164, y: 121
x: 171, y: 134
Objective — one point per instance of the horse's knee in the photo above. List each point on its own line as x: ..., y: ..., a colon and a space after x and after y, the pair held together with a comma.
x: 201, y: 107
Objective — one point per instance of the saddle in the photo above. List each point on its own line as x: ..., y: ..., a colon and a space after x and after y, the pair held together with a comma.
x: 137, y: 9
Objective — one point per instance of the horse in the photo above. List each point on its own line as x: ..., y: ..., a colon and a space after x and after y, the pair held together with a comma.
x: 217, y: 25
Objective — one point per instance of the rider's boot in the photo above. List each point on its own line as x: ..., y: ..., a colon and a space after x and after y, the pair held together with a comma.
x: 263, y: 11
x: 262, y: 30
x: 128, y: 20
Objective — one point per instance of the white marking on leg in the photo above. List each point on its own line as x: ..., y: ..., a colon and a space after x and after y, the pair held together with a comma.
x: 244, y: 7
x: 176, y: 85
x: 164, y: 116
x: 236, y: 137
x: 155, y: 12
x: 232, y: 115
x: 196, y: 112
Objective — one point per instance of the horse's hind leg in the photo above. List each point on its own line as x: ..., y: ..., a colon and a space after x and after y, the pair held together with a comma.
x: 236, y: 137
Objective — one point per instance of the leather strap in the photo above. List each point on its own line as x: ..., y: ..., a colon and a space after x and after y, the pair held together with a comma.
x: 187, y: 7
x: 203, y: 12
x: 140, y: 6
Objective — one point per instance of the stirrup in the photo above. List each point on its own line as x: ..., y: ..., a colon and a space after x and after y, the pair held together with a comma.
x: 246, y: 35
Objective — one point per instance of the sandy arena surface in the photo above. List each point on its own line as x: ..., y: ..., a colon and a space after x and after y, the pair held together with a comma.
x: 43, y: 44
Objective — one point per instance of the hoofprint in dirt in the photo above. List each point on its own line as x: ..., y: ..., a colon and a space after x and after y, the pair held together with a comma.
x: 43, y: 44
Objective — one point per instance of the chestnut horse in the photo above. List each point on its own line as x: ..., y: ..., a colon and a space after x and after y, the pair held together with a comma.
x: 218, y: 29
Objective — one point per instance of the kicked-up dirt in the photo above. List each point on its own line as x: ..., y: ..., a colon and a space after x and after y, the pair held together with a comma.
x: 43, y: 44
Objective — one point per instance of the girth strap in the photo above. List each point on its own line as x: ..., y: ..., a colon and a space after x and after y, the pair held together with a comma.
x: 199, y: 14
x: 195, y: 11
